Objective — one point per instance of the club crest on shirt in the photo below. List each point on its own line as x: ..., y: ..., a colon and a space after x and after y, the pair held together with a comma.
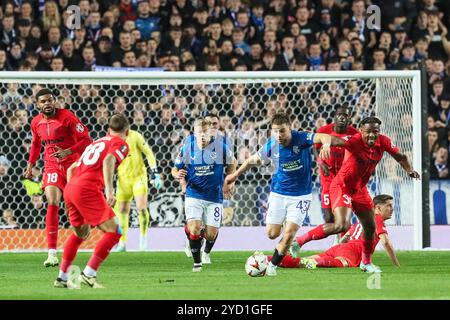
x: 296, y: 149
x: 79, y: 127
x: 213, y: 155
x: 123, y: 149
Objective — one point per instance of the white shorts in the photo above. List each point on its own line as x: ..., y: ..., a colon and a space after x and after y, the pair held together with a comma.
x: 209, y: 212
x: 293, y: 209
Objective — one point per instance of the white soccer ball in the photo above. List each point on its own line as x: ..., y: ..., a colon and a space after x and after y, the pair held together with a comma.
x: 256, y: 264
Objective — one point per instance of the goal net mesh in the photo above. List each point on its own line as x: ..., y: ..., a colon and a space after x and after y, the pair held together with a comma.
x: 164, y: 110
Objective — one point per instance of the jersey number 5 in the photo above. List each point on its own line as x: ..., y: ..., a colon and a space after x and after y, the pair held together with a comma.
x: 92, y: 153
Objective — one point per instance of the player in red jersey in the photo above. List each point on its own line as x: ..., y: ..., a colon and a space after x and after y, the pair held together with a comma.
x: 65, y: 138
x: 84, y: 197
x: 329, y: 167
x: 348, y: 190
x: 349, y: 252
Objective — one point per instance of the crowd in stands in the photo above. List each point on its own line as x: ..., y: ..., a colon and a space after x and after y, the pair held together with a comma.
x: 217, y: 35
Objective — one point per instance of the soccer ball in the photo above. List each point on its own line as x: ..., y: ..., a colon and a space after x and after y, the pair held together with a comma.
x: 256, y: 264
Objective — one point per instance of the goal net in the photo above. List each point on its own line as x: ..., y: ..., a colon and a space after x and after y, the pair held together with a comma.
x: 162, y: 106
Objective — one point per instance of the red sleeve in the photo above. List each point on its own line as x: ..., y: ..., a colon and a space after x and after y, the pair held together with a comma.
x: 36, y: 145
x: 388, y: 146
x: 352, y: 143
x: 119, y: 149
x: 380, y: 227
x: 80, y: 133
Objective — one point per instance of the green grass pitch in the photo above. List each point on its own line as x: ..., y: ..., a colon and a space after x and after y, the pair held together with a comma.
x: 168, y: 276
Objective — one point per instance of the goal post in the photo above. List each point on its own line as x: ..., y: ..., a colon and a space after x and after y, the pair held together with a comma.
x: 161, y: 105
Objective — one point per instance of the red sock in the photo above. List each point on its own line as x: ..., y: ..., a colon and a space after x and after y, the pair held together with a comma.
x: 103, y: 248
x: 368, y: 247
x: 329, y: 262
x: 70, y: 251
x: 289, y: 262
x: 51, y: 225
x: 315, y: 234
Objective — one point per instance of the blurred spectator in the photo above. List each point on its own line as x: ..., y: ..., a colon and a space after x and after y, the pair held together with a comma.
x: 440, y: 165
x: 8, y: 219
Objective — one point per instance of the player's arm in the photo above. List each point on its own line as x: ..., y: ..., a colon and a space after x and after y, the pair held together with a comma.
x: 327, y: 141
x: 147, y: 151
x: 35, y: 151
x: 70, y: 170
x: 402, y: 159
x: 253, y: 160
x: 108, y: 175
x: 228, y: 189
x: 387, y: 244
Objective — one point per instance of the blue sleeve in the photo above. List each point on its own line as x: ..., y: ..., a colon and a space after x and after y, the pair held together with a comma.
x: 306, y: 139
x: 228, y: 154
x: 180, y: 161
x: 265, y: 153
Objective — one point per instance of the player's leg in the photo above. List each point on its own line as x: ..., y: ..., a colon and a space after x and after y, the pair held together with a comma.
x: 213, y: 221
x: 140, y: 192
x: 194, y: 209
x: 341, y: 208
x: 110, y: 238
x: 124, y: 195
x: 53, y: 195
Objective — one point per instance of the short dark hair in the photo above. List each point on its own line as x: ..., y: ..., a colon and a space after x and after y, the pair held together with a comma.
x: 281, y: 118
x: 118, y: 123
x: 43, y: 92
x: 369, y: 120
x: 381, y: 198
x: 343, y: 106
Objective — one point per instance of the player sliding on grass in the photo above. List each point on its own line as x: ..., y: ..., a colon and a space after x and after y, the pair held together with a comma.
x: 65, y: 138
x: 201, y: 162
x: 89, y: 180
x: 348, y: 189
x: 349, y: 252
x: 290, y: 195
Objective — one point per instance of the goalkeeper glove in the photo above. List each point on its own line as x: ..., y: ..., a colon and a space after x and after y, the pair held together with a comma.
x: 156, y: 178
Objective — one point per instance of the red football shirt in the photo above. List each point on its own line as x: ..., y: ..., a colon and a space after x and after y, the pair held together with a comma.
x: 337, y: 153
x: 356, y: 230
x: 63, y: 130
x: 360, y: 161
x: 89, y: 170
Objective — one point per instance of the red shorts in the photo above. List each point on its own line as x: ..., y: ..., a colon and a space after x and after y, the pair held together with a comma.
x: 54, y: 177
x: 351, y: 252
x: 86, y: 205
x: 360, y: 201
x: 325, y: 183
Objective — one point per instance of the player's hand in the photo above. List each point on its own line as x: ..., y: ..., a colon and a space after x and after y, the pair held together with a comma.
x: 181, y: 174
x: 228, y: 190
x: 325, y: 151
x: 110, y: 198
x: 157, y: 181
x: 27, y: 174
x: 325, y: 169
x: 61, y: 153
x: 414, y: 174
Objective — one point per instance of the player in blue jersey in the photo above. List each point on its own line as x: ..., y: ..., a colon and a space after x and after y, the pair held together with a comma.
x: 201, y: 162
x: 291, y: 187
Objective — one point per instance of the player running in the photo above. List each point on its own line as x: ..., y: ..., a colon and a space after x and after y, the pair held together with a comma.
x: 201, y: 162
x: 132, y: 182
x: 65, y: 138
x: 340, y: 127
x: 348, y: 190
x: 291, y: 188
x: 88, y: 178
x: 349, y: 252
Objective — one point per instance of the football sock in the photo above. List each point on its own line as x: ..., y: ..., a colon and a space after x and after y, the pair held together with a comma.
x: 124, y: 219
x: 289, y: 262
x: 144, y: 219
x: 276, y: 258
x: 314, y: 234
x: 51, y: 225
x: 209, y: 244
x: 103, y: 248
x: 70, y: 251
x: 368, y: 247
x: 328, y: 262
x: 195, y: 242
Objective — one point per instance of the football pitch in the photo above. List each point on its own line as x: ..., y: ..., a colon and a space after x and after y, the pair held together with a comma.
x: 168, y: 276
